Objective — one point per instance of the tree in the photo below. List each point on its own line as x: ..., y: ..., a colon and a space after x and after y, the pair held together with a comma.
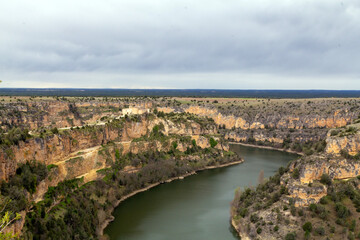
x: 193, y: 142
x: 174, y: 144
x: 307, y: 227
x: 296, y: 173
x: 290, y: 236
x: 261, y: 177
x: 6, y: 219
x: 213, y: 142
x: 325, y: 179
x: 55, y: 130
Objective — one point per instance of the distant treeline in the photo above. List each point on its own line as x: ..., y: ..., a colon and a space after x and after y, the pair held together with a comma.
x: 179, y: 93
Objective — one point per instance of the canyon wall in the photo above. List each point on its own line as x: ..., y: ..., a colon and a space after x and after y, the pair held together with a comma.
x: 349, y: 143
x: 330, y: 162
x: 338, y: 118
x: 275, y: 136
x: 61, y: 114
x: 57, y: 147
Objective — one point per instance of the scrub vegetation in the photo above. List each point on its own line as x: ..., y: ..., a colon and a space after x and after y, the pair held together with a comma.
x: 103, y: 148
x: 75, y: 210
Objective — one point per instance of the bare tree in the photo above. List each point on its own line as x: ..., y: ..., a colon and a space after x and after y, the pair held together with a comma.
x: 261, y: 177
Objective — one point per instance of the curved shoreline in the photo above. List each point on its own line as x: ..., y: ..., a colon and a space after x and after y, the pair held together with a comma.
x: 232, y: 221
x: 267, y: 147
x: 111, y: 218
x: 242, y: 236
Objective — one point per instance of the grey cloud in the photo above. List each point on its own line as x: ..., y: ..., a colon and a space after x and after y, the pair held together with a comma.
x: 314, y: 39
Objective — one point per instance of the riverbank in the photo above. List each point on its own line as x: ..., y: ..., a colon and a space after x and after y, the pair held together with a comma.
x: 111, y: 218
x: 241, y: 235
x: 235, y: 226
x: 267, y: 147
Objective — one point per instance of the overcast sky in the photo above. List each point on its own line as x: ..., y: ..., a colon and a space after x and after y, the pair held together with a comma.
x: 232, y: 44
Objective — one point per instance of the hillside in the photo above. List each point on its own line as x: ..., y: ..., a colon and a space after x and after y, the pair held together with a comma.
x: 314, y: 197
x: 62, y: 154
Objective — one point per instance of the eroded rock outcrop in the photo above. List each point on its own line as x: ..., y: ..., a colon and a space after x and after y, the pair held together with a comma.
x: 349, y: 143
x: 57, y: 147
x: 305, y: 183
x: 337, y: 119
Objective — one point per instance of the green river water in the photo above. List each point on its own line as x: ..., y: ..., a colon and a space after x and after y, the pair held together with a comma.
x: 197, y: 207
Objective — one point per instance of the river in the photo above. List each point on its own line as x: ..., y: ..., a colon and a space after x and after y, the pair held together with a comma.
x: 197, y: 207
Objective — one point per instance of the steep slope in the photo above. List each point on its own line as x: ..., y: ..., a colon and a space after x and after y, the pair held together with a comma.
x: 314, y: 196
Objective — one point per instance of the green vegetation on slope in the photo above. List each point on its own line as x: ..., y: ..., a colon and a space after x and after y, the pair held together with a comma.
x: 75, y: 212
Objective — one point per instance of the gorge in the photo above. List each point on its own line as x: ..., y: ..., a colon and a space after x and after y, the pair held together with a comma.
x: 67, y: 162
x: 196, y: 207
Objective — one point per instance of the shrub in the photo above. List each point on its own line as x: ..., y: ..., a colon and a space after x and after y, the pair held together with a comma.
x: 312, y: 207
x: 307, y: 227
x: 352, y: 225
x: 319, y: 210
x: 213, y: 142
x: 341, y: 210
x: 293, y: 210
x: 51, y: 166
x: 254, y: 218
x: 334, y: 132
x: 14, y: 136
x: 117, y: 154
x: 55, y: 130
x: 320, y: 231
x: 308, y: 151
x: 351, y: 130
x: 243, y: 212
x: 290, y: 236
x: 351, y: 236
x: 301, y: 212
x: 325, y: 179
x: 296, y: 173
x: 324, y: 200
x: 320, y: 146
x: 174, y: 144
x: 281, y: 171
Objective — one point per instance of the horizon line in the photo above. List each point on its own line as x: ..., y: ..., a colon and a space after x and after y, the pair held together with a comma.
x: 184, y: 89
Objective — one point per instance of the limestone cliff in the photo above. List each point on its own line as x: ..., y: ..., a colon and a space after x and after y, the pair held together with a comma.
x: 292, y: 193
x: 58, y: 113
x: 57, y: 147
x: 86, y: 152
x: 338, y: 118
x: 276, y: 136
x: 348, y: 142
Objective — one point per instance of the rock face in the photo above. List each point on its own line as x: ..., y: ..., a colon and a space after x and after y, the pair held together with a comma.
x: 83, y: 152
x: 312, y: 168
x: 349, y: 143
x: 57, y: 147
x: 276, y: 136
x: 57, y: 113
x: 337, y: 119
x: 304, y: 183
x: 280, y: 129
x: 304, y: 195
